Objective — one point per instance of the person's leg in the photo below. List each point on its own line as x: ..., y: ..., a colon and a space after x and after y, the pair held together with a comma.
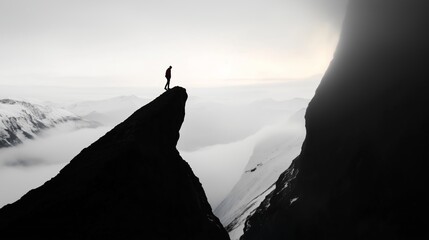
x: 168, y: 84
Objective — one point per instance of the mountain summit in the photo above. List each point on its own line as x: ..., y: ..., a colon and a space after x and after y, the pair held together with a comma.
x: 130, y: 184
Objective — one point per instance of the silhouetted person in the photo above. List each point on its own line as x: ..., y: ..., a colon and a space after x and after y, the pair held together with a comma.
x: 168, y: 76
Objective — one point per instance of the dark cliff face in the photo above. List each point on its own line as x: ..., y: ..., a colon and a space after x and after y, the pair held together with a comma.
x: 130, y: 184
x: 363, y: 169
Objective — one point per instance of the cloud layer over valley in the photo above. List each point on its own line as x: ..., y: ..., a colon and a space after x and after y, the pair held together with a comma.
x: 218, y: 136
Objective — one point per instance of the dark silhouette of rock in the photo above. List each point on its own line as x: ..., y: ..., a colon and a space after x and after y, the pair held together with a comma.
x: 363, y: 169
x: 130, y: 184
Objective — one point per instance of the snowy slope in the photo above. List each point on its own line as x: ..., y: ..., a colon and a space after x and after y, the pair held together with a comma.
x: 20, y: 120
x: 270, y: 158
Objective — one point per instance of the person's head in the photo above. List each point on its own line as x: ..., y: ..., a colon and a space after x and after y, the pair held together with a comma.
x: 170, y: 67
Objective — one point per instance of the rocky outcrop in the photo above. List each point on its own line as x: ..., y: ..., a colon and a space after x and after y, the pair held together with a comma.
x: 362, y: 172
x: 130, y: 184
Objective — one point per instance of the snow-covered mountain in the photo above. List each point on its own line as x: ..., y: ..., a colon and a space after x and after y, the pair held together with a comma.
x: 20, y: 120
x: 270, y: 158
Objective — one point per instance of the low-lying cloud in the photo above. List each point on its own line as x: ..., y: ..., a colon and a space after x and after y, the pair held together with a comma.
x: 30, y: 164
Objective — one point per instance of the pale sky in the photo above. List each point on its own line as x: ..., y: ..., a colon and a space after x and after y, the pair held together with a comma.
x: 131, y: 42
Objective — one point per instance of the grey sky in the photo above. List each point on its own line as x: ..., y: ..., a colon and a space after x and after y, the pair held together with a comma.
x: 131, y: 42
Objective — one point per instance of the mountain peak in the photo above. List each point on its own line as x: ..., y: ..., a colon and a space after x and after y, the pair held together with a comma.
x: 131, y: 183
x: 165, y: 114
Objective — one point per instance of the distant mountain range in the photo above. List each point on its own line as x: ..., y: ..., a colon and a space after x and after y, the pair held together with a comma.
x: 21, y: 120
x: 108, y: 111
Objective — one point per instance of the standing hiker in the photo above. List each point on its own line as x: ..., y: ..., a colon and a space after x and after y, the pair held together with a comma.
x: 168, y: 76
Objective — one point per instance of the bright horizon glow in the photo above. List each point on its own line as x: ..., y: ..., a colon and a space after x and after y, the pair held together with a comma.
x: 131, y: 43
